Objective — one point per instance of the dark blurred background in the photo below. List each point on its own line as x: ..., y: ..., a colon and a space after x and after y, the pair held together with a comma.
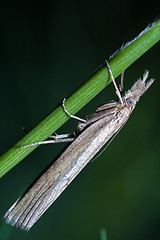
x: 46, y: 52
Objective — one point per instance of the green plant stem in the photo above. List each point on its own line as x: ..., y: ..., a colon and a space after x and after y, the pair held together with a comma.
x: 118, y: 63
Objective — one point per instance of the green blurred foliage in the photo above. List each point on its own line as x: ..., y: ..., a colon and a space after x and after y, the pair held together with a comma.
x: 47, y: 51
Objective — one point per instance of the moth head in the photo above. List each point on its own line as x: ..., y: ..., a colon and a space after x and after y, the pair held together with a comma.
x: 139, y: 88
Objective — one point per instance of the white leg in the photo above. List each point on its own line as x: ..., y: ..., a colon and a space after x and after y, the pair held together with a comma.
x: 70, y: 115
x: 56, y: 139
x: 62, y: 136
x: 122, y: 80
x: 115, y: 85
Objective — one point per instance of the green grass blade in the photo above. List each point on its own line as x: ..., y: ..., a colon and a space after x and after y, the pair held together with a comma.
x: 118, y: 63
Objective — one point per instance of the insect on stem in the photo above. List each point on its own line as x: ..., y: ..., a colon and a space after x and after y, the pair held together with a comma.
x: 96, y: 131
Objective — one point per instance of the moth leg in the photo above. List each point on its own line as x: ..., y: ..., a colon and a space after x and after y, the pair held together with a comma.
x: 62, y: 136
x: 122, y: 80
x: 115, y: 85
x: 70, y: 115
x: 55, y: 139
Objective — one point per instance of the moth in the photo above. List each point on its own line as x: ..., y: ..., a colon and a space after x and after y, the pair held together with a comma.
x: 95, y: 131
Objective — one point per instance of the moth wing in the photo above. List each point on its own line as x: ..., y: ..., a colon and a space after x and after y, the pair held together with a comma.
x: 107, y: 106
x: 28, y: 209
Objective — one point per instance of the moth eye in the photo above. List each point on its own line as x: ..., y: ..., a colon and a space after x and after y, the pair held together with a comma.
x: 130, y: 101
